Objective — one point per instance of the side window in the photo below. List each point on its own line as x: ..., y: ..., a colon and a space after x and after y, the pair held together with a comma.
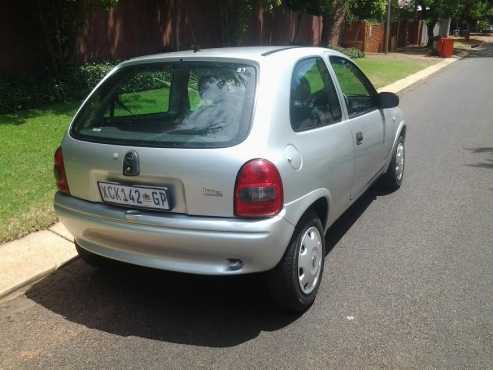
x: 314, y: 101
x: 359, y: 94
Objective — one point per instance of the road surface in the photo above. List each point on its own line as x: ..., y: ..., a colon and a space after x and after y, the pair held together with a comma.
x: 408, y: 282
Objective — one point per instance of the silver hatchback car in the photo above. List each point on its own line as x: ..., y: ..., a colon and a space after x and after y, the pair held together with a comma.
x: 226, y: 161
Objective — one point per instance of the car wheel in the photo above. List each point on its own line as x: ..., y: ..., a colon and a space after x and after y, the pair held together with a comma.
x: 294, y: 283
x: 90, y: 258
x: 392, y: 179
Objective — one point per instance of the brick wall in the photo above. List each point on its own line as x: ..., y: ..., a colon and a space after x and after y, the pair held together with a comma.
x: 375, y: 38
x: 365, y: 36
x: 354, y: 35
x: 370, y: 37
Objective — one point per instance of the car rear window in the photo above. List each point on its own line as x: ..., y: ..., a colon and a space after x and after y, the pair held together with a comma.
x: 179, y: 104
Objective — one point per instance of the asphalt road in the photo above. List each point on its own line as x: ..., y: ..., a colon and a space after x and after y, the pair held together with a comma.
x: 408, y: 282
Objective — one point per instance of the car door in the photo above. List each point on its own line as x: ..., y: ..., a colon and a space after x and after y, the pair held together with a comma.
x: 321, y: 136
x: 366, y: 122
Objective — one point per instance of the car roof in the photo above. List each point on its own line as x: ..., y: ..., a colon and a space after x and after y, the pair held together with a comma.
x: 258, y: 54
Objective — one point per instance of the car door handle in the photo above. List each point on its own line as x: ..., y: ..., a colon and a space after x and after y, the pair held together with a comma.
x: 359, y: 138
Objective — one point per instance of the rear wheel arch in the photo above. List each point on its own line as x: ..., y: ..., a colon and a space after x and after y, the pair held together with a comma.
x: 317, y: 202
x: 321, y: 208
x: 403, y: 131
x: 286, y: 281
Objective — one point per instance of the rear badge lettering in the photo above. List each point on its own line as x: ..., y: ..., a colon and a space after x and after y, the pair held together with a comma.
x: 211, y: 192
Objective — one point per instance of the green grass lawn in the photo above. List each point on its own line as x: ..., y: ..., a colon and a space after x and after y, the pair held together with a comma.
x: 30, y: 138
x: 383, y: 70
x: 145, y: 102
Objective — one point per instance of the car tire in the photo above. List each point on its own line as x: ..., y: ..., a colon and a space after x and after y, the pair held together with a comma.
x: 392, y: 179
x: 91, y: 259
x: 289, y: 287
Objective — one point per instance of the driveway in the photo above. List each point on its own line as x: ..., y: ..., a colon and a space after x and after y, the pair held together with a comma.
x: 408, y: 281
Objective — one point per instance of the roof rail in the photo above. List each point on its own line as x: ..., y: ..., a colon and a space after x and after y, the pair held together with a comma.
x: 281, y: 49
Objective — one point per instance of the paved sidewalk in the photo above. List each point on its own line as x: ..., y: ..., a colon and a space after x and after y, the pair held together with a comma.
x: 31, y: 258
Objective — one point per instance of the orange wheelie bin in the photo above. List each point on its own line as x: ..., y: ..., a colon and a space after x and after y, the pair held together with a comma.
x: 445, y: 47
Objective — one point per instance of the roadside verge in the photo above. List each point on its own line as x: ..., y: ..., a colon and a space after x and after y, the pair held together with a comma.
x: 418, y: 76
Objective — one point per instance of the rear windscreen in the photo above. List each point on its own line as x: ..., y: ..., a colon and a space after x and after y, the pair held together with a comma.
x: 180, y: 104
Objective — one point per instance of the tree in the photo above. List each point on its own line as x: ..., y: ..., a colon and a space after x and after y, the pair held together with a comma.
x: 473, y: 11
x: 368, y: 9
x: 333, y: 23
x: 235, y: 16
x: 333, y: 13
x: 313, y: 7
x: 433, y: 10
x: 468, y: 11
x: 60, y: 21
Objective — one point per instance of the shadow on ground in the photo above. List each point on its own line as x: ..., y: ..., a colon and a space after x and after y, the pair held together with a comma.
x: 484, y: 50
x: 483, y: 152
x: 178, y: 308
x: 21, y: 117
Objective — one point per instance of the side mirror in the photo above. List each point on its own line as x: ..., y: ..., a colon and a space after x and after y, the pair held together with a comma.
x: 388, y: 100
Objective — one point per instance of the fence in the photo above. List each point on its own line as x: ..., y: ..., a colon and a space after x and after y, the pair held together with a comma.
x: 143, y: 27
x: 137, y: 28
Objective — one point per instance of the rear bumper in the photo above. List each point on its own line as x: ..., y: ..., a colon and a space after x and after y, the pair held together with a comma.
x: 199, y: 245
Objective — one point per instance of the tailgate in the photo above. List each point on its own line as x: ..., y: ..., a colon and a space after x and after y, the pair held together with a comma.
x: 199, y: 181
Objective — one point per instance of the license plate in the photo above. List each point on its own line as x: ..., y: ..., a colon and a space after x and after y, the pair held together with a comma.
x: 135, y: 196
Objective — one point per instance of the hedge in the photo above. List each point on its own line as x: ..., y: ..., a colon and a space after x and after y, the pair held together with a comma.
x: 352, y: 53
x: 18, y: 93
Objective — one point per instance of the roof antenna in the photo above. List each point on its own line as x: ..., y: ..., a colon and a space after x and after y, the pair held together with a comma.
x: 195, y: 48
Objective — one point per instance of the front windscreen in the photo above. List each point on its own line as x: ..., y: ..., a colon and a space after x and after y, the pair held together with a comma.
x: 179, y: 104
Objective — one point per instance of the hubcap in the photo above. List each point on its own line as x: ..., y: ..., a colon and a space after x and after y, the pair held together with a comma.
x: 399, y: 161
x: 310, y: 260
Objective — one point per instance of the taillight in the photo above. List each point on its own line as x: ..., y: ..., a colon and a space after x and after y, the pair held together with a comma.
x: 258, y: 190
x: 59, y: 171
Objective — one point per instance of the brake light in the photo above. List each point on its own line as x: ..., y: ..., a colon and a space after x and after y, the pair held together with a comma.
x: 258, y: 190
x: 59, y: 171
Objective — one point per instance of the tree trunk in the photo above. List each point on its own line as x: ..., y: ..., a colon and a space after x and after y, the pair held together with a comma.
x: 336, y: 30
x: 326, y: 30
x: 177, y: 25
x: 467, y: 34
x: 230, y: 16
x: 431, y: 25
x: 297, y: 27
x: 47, y: 38
x: 333, y: 24
x: 259, y: 21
